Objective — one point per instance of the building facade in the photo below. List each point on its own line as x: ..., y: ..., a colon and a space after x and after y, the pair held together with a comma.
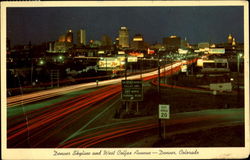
x: 138, y: 42
x: 69, y: 36
x: 123, y: 37
x: 172, y: 43
x: 81, y: 37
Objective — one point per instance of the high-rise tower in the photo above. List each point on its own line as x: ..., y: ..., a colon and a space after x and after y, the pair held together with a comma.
x: 69, y: 36
x: 81, y: 37
x: 123, y: 37
x: 230, y: 39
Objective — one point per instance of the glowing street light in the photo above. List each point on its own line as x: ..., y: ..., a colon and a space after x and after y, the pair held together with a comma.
x: 41, y: 62
x: 239, y: 55
x: 60, y: 57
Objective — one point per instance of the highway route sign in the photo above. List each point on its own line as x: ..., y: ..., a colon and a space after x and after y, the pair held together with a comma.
x: 164, y: 111
x: 132, y: 90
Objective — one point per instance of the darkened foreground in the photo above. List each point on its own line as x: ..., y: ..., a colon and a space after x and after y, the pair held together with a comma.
x: 232, y: 136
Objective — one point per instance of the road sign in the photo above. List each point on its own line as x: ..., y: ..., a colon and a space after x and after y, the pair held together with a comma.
x: 132, y: 90
x: 164, y: 111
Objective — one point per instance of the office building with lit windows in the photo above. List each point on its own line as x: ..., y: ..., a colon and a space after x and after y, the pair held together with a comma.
x: 138, y: 42
x: 69, y: 36
x: 123, y: 37
x: 81, y: 37
x: 172, y: 43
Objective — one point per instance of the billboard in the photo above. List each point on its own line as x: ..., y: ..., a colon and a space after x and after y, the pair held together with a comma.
x: 182, y: 51
x: 132, y: 59
x: 109, y: 62
x: 216, y: 51
x: 136, y: 54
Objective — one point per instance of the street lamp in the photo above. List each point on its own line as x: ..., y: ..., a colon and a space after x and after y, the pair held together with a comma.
x: 239, y: 55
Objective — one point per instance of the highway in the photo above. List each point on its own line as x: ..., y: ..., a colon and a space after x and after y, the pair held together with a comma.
x: 41, y: 95
x: 86, y: 117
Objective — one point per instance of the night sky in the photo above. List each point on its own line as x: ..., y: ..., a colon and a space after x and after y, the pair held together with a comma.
x: 197, y: 24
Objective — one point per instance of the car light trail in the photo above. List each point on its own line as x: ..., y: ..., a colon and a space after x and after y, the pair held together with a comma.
x: 46, y: 122
x: 55, y: 114
x: 36, y: 96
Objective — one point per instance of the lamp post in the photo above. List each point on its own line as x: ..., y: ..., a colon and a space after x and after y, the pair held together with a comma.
x: 141, y: 65
x: 239, y: 55
x: 159, y: 72
x: 126, y: 65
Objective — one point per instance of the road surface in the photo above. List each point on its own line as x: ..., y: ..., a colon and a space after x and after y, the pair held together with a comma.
x: 86, y: 117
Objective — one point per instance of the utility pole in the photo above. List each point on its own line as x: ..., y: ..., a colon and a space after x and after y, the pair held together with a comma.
x: 158, y: 89
x: 238, y: 75
x: 159, y: 72
x: 31, y: 74
x: 126, y: 61
x: 141, y: 67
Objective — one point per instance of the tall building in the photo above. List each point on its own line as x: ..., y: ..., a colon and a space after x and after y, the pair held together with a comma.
x: 138, y: 42
x: 62, y: 38
x: 81, y: 37
x: 69, y: 36
x: 203, y: 45
x: 123, y: 37
x: 230, y: 39
x: 172, y: 43
x: 106, y: 40
x: 234, y: 42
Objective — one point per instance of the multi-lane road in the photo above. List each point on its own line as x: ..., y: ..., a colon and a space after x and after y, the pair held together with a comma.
x: 83, y: 116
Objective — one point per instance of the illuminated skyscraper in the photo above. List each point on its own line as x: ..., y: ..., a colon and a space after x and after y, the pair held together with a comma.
x: 234, y: 42
x: 230, y: 39
x: 69, y: 36
x: 81, y: 37
x: 138, y: 42
x: 62, y: 38
x: 172, y: 43
x: 123, y: 37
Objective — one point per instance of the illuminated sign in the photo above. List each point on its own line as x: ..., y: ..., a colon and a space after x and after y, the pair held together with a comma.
x: 121, y: 52
x: 101, y: 52
x: 132, y: 59
x: 201, y: 61
x: 137, y: 39
x: 204, y: 49
x: 216, y: 51
x: 184, y: 68
x: 182, y: 51
x: 132, y: 90
x: 150, y: 51
x: 136, y: 54
x: 109, y: 62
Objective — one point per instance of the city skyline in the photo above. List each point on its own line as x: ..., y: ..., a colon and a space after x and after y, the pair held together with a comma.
x: 197, y: 24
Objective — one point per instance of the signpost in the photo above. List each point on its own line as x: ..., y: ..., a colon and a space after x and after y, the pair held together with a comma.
x: 164, y: 113
x: 132, y: 92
